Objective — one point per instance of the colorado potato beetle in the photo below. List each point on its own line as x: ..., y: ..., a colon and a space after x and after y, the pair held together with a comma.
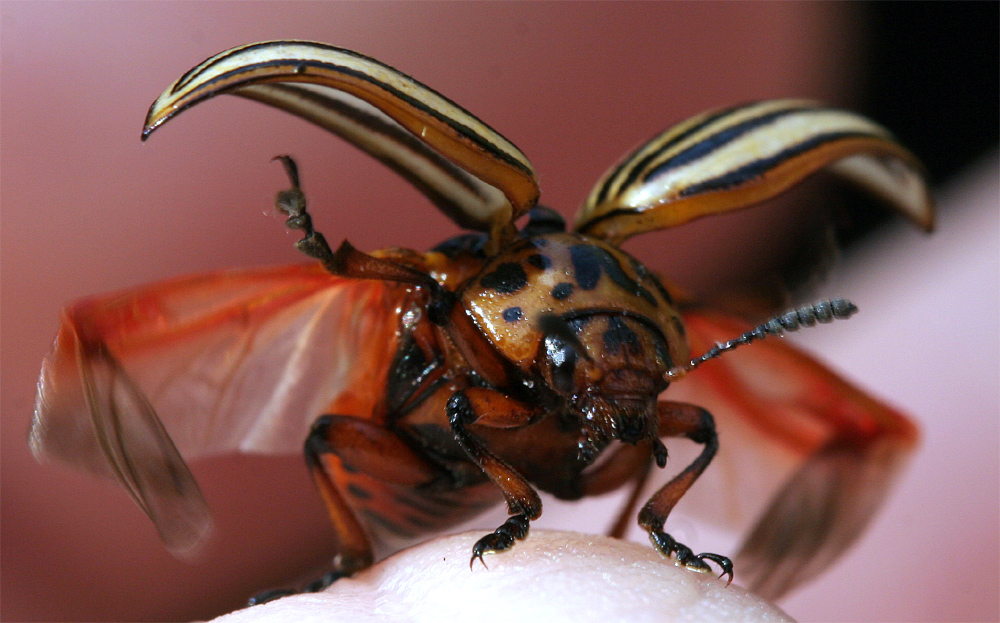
x: 430, y: 385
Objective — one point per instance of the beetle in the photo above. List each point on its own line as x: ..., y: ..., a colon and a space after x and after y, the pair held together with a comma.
x: 431, y: 385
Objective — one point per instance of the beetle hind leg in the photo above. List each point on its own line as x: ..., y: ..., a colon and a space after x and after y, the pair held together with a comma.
x: 697, y: 424
x: 338, y: 450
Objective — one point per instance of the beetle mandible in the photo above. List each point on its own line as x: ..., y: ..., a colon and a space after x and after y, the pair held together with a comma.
x: 503, y: 361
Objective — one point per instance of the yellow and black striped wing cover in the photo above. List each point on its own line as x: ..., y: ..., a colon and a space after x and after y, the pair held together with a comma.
x: 733, y: 158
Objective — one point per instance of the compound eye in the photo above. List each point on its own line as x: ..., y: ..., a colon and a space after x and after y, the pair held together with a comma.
x: 562, y: 349
x: 562, y: 361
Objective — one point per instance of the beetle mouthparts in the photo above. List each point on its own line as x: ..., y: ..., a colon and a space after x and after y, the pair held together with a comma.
x: 629, y: 419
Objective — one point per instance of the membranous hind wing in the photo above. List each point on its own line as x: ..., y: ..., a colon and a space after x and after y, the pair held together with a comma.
x: 806, y: 458
x: 233, y: 361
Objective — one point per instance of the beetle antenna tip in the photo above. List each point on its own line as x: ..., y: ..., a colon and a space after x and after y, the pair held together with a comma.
x: 821, y: 312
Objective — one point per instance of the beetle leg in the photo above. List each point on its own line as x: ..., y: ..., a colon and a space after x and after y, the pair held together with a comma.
x: 361, y: 446
x: 678, y: 419
x: 348, y: 261
x: 491, y: 408
x: 292, y: 202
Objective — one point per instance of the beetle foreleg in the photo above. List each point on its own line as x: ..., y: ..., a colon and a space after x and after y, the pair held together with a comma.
x: 292, y: 203
x: 347, y: 261
x: 494, y: 409
x: 676, y: 420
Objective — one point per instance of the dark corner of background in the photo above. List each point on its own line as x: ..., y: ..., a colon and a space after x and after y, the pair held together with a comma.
x: 932, y: 75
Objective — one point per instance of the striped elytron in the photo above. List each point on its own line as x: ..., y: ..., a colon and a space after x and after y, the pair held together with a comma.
x: 428, y: 385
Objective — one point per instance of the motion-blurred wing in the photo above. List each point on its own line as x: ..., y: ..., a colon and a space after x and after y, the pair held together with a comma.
x: 730, y: 159
x: 224, y: 362
x: 805, y: 458
x: 467, y: 168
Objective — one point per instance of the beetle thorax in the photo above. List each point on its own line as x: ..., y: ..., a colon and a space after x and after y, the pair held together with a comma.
x: 585, y: 320
x: 567, y: 276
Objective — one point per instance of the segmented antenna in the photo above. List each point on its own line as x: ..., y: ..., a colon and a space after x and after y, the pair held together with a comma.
x: 792, y: 320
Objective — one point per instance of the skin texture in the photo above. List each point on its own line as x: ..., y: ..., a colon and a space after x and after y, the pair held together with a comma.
x: 549, y: 576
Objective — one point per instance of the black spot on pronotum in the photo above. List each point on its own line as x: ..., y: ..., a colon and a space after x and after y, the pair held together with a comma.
x: 647, y: 276
x: 508, y: 277
x: 513, y: 314
x: 589, y: 261
x: 562, y: 290
x: 539, y: 261
x: 586, y: 265
x: 621, y: 279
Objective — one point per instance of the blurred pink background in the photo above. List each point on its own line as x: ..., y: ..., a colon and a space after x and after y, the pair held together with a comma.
x: 87, y: 208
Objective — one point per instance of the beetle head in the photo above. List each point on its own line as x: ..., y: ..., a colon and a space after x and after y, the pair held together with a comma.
x: 608, y: 368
